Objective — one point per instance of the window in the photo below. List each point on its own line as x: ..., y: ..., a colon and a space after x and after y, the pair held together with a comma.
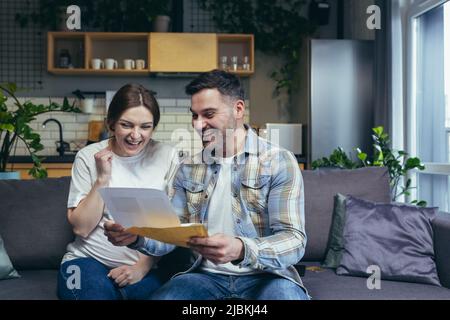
x: 429, y: 98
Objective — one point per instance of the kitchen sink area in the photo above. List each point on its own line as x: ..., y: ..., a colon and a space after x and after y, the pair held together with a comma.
x: 66, y: 158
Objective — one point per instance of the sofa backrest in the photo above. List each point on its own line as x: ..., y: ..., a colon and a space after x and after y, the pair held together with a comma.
x: 33, y: 221
x: 35, y: 230
x: 320, y: 188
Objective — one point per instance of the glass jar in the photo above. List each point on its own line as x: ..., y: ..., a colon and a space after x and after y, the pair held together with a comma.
x: 246, y: 64
x: 224, y: 63
x: 234, y: 63
x: 64, y: 59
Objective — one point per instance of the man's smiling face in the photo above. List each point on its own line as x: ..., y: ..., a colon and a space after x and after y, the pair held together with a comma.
x: 213, y: 115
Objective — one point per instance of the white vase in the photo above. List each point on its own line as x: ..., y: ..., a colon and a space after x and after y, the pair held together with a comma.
x: 87, y: 105
x: 161, y: 24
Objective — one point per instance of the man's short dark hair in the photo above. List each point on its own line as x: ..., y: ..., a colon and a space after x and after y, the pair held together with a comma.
x: 226, y: 83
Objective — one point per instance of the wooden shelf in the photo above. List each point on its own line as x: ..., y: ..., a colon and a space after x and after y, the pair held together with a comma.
x: 83, y: 71
x: 239, y: 45
x: 162, y: 52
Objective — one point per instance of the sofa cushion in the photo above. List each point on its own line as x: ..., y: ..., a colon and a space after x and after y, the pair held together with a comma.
x: 32, y: 285
x: 326, y: 285
x: 397, y: 238
x: 320, y: 188
x: 441, y: 230
x: 7, y: 270
x: 335, y: 245
x: 33, y: 221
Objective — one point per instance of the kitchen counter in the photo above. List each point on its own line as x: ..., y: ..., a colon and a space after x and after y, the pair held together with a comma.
x: 67, y: 158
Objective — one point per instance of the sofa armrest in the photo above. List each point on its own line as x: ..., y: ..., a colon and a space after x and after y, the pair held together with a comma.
x: 441, y: 229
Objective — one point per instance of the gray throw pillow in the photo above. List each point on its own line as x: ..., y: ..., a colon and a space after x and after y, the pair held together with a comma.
x: 7, y: 270
x: 397, y: 238
x: 335, y: 245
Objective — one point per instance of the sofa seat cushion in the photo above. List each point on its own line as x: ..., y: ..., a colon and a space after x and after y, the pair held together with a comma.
x: 326, y: 285
x: 32, y: 285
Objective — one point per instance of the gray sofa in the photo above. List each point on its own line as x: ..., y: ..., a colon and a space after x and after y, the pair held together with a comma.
x: 35, y: 231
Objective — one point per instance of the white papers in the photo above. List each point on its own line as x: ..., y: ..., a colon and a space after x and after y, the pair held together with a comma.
x: 139, y: 207
x: 148, y: 213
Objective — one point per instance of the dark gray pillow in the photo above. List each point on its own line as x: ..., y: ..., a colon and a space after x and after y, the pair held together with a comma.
x: 335, y: 245
x: 398, y: 238
x: 33, y: 221
x: 7, y: 270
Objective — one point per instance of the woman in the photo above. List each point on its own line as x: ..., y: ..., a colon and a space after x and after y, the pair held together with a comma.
x: 93, y: 268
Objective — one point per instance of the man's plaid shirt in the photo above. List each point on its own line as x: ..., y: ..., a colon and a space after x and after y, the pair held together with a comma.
x: 267, y: 202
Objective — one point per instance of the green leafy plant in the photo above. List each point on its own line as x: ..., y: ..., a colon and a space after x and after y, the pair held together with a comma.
x: 398, y: 163
x: 278, y: 26
x: 338, y: 159
x: 15, y: 126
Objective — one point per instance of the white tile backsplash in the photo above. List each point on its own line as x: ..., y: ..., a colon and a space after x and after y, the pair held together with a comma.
x: 167, y: 102
x: 184, y: 119
x: 184, y: 103
x: 166, y: 119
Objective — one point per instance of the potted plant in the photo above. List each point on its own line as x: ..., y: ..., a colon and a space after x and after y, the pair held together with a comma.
x: 161, y: 15
x: 15, y: 126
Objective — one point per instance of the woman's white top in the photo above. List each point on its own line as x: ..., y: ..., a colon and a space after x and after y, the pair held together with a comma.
x: 154, y: 167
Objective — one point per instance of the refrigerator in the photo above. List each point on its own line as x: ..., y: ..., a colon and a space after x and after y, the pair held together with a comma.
x: 335, y: 97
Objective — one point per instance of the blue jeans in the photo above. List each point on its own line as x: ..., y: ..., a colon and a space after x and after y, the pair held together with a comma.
x: 210, y: 286
x: 95, y: 284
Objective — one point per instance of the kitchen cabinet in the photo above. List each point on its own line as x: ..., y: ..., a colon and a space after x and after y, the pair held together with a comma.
x: 162, y: 52
x: 180, y: 52
x: 54, y: 170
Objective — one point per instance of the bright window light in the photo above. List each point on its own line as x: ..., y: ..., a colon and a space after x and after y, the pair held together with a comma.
x: 447, y: 63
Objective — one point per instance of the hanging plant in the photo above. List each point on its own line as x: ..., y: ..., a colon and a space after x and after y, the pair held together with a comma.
x: 278, y: 26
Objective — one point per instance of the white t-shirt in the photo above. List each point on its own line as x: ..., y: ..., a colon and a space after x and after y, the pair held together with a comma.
x: 220, y: 218
x: 154, y: 167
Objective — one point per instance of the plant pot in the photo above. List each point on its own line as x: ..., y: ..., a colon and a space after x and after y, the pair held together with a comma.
x: 10, y: 175
x: 87, y: 105
x: 161, y: 24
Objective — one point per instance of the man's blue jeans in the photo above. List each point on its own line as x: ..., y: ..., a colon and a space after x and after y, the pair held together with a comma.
x: 210, y: 286
x: 95, y: 284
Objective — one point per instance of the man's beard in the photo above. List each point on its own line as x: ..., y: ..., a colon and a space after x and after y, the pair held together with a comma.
x: 219, y: 143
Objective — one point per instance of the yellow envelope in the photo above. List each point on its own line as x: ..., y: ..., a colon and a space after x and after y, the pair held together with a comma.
x: 178, y: 235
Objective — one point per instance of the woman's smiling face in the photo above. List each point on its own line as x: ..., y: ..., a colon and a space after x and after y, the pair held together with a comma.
x: 133, y: 131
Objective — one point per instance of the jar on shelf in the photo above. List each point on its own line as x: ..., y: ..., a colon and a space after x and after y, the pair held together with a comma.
x: 234, y: 63
x: 246, y: 64
x: 224, y: 63
x: 64, y: 59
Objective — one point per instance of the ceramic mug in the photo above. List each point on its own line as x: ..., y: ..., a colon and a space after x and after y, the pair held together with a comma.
x: 128, y: 64
x: 140, y: 64
x: 111, y: 64
x: 97, y: 64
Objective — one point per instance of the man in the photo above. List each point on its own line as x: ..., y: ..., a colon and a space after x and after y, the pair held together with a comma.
x: 249, y: 194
